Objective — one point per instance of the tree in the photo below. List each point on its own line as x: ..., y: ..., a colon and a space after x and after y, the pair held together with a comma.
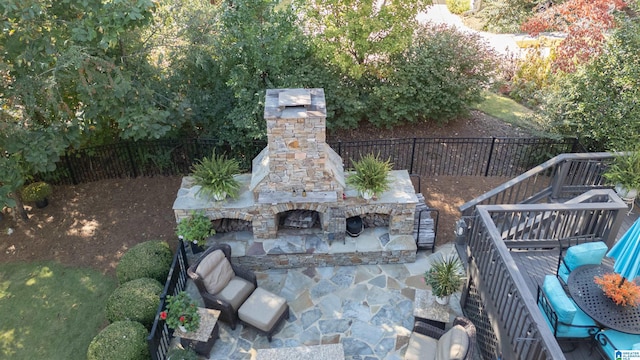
x: 599, y: 101
x: 68, y: 74
x: 584, y: 21
x: 506, y: 16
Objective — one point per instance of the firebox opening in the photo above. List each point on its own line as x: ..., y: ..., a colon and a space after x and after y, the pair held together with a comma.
x: 375, y: 220
x: 227, y: 225
x: 299, y: 219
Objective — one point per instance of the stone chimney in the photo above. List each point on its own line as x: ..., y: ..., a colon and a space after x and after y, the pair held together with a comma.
x: 297, y: 164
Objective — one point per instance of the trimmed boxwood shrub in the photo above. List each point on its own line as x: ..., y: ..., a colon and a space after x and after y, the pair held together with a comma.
x: 122, y: 340
x: 150, y: 259
x: 135, y: 300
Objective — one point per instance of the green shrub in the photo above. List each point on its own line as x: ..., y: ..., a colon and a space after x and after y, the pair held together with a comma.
x: 122, y: 340
x: 182, y: 354
x: 150, y: 259
x: 36, y: 191
x: 136, y: 300
x: 532, y: 76
x: 458, y: 6
x: 439, y: 78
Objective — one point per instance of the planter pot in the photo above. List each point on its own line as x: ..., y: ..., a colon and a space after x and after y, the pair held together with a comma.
x: 626, y: 193
x: 196, y: 248
x: 182, y: 328
x: 42, y: 203
x: 444, y: 300
x: 219, y: 196
x: 367, y: 194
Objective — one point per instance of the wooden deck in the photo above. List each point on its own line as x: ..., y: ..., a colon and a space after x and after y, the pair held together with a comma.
x: 534, y: 265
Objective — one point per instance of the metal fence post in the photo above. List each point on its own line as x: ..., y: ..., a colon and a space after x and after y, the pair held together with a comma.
x: 133, y: 164
x: 493, y: 142
x: 413, y: 154
x: 70, y: 168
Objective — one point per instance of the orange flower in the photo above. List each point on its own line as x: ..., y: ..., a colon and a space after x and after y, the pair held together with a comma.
x: 626, y: 294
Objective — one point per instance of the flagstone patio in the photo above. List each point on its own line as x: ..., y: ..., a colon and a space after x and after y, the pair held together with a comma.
x: 366, y: 308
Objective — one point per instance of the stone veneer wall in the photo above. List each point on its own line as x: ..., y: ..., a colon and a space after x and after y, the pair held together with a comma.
x: 286, y: 261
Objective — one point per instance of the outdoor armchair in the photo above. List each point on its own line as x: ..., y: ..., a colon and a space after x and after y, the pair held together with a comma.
x: 428, y: 342
x: 564, y: 317
x: 222, y: 285
x: 609, y: 341
x: 589, y: 253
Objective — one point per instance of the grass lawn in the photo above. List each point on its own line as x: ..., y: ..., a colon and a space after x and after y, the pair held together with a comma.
x: 508, y: 110
x: 50, y: 311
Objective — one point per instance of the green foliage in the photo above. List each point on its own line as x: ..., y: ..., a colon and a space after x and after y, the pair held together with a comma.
x: 533, y: 76
x: 196, y: 228
x: 135, y: 300
x: 505, y: 16
x: 121, y: 340
x: 36, y: 191
x: 599, y: 101
x: 371, y: 173
x: 181, y: 311
x: 458, y: 6
x: 50, y: 311
x: 625, y: 170
x: 445, y: 276
x: 216, y: 175
x: 440, y: 77
x: 149, y: 259
x: 182, y: 354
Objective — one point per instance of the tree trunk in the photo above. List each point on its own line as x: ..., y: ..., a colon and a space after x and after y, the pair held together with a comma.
x: 19, y: 209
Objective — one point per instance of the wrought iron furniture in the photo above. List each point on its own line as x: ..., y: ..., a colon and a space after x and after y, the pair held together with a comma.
x: 428, y: 342
x: 567, y: 321
x: 610, y: 341
x: 592, y: 300
x: 588, y: 253
x: 219, y: 289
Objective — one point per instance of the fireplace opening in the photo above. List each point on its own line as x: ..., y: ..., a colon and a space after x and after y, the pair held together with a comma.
x: 375, y: 220
x: 227, y: 225
x: 299, y: 219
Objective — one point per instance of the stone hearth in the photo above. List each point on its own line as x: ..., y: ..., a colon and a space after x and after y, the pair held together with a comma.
x: 298, y: 170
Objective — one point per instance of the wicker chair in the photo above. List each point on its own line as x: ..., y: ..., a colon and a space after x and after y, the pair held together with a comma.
x: 229, y: 299
x: 432, y: 343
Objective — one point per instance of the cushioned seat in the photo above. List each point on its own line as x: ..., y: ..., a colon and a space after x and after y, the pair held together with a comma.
x: 264, y: 311
x: 428, y: 342
x: 590, y: 253
x: 223, y: 285
x: 611, y: 340
x: 562, y: 314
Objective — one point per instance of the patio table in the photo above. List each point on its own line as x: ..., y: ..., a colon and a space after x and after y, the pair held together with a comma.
x: 592, y: 300
x: 202, y: 339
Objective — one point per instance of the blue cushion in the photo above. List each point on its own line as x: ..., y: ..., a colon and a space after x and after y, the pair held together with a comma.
x: 580, y: 325
x: 617, y: 340
x: 558, y: 299
x: 590, y: 253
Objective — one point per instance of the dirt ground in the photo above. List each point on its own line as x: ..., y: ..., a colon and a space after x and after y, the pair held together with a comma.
x: 93, y: 224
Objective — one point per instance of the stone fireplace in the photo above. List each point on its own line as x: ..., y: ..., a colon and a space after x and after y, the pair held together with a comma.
x: 297, y: 183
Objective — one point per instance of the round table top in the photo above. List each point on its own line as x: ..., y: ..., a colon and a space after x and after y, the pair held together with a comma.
x: 592, y: 300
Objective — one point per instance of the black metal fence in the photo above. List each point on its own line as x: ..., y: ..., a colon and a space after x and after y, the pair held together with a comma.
x: 423, y: 156
x: 159, y: 339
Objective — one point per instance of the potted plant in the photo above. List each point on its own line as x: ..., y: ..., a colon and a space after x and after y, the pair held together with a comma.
x: 181, y: 312
x: 623, y: 293
x: 445, y: 278
x: 195, y: 229
x: 216, y: 176
x: 37, y: 192
x: 370, y: 176
x: 624, y: 174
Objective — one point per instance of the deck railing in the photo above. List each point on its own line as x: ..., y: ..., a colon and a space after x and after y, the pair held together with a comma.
x: 515, y: 320
x: 561, y: 177
x: 159, y: 339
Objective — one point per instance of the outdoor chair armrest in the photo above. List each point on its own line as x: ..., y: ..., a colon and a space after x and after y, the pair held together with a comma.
x: 245, y: 273
x: 427, y: 329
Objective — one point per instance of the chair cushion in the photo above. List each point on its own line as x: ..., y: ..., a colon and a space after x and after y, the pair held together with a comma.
x: 421, y: 347
x: 236, y: 292
x: 558, y: 299
x: 617, y: 340
x: 262, y: 309
x: 453, y: 345
x: 215, y: 271
x: 590, y: 253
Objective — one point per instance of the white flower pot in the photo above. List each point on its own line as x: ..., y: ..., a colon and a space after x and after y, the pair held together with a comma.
x: 626, y: 193
x: 444, y: 300
x: 182, y: 328
x: 367, y: 194
x: 219, y: 196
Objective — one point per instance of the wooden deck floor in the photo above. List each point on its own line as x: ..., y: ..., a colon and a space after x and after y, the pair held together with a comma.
x: 534, y: 265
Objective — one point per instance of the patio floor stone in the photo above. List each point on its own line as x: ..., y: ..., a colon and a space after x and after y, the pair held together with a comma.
x: 366, y: 308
